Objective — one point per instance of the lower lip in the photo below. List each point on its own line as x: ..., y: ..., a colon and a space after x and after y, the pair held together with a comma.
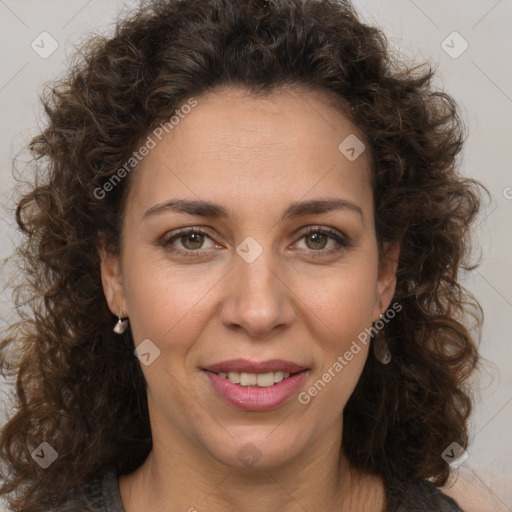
x: 251, y: 398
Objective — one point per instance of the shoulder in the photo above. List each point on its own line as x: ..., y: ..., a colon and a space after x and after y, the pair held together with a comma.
x: 420, y: 495
x: 478, y: 489
x: 99, y: 495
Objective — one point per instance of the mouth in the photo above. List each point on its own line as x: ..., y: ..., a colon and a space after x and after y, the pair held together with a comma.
x: 264, y: 374
x: 255, y: 386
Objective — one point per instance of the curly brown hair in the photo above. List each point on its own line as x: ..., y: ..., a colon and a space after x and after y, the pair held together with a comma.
x: 81, y: 390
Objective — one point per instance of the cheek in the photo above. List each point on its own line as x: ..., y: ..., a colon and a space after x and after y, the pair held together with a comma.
x: 339, y: 311
x: 342, y: 299
x: 171, y: 308
x: 345, y: 303
x: 166, y: 304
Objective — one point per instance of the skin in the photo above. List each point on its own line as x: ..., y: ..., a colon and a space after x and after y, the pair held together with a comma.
x: 254, y: 156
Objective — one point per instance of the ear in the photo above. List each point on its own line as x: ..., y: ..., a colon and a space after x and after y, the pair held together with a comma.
x: 112, y: 281
x: 386, y: 282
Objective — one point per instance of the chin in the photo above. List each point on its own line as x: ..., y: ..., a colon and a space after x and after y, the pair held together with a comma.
x: 255, y: 448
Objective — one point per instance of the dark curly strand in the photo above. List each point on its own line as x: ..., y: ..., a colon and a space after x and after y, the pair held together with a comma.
x: 81, y: 390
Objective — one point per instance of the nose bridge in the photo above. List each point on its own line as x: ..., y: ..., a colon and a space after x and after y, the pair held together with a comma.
x: 257, y: 299
x: 258, y: 276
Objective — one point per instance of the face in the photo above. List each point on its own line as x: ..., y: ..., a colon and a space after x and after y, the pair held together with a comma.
x: 284, y: 266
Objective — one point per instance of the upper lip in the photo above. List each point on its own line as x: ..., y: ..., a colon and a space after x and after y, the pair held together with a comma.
x: 247, y: 366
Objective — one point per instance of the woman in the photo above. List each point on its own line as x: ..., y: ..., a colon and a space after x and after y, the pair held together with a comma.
x: 241, y: 256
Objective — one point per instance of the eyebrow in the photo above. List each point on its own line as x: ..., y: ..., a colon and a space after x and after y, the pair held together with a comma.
x: 207, y: 209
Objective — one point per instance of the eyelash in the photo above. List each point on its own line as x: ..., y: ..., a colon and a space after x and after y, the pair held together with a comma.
x: 343, y: 242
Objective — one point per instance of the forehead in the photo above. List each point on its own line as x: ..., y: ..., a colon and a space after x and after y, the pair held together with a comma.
x: 234, y: 146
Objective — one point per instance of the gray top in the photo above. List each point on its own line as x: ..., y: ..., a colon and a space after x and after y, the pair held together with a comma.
x: 102, y: 495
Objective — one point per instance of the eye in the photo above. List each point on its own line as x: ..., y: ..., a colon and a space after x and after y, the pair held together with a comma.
x: 191, y: 241
x: 316, y: 240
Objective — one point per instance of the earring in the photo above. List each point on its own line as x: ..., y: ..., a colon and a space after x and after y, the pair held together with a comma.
x: 121, y: 325
x: 381, y: 349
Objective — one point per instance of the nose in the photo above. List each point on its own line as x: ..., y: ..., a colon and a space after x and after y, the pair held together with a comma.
x: 257, y: 298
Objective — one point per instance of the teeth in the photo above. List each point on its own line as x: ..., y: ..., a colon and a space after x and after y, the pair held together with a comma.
x: 262, y: 380
x: 279, y: 376
x: 234, y: 377
x: 248, y: 379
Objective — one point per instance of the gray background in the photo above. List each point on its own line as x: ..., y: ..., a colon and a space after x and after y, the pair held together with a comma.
x: 479, y: 78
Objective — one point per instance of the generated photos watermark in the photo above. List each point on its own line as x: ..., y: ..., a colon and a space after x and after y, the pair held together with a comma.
x: 342, y: 360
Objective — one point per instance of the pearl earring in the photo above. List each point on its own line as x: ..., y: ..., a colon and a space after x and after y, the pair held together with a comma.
x: 121, y: 325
